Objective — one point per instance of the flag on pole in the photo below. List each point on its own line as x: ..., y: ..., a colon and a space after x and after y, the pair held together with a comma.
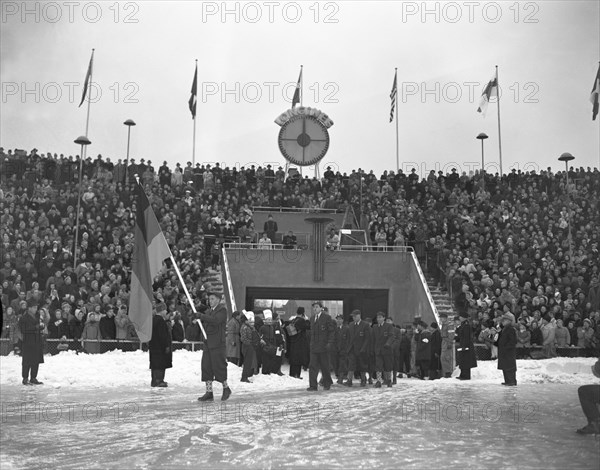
x: 491, y: 89
x: 594, y: 95
x: 393, y: 96
x: 88, y: 76
x: 193, y: 97
x: 296, y: 98
x: 150, y: 250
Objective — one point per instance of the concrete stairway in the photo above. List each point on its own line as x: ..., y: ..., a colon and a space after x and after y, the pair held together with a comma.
x: 441, y: 299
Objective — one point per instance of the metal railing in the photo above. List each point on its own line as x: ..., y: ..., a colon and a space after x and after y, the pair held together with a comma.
x: 398, y: 249
x: 256, y: 246
x: 299, y: 210
x: 95, y: 346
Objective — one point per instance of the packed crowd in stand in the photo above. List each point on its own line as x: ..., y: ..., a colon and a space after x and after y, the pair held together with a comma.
x: 502, y: 246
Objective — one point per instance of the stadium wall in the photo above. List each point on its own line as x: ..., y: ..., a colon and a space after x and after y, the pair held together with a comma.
x: 395, y: 272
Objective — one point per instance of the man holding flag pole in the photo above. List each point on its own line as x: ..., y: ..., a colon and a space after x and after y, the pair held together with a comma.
x: 150, y: 251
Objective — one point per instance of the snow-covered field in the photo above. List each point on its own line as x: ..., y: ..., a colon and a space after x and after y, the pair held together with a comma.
x: 99, y: 411
x: 118, y: 369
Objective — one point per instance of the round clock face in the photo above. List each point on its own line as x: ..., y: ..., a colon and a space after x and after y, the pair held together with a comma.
x: 303, y: 140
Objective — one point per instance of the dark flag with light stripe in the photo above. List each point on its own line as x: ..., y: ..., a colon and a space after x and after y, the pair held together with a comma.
x: 88, y: 76
x: 594, y: 95
x: 491, y: 89
x: 393, y: 96
x: 296, y: 98
x: 150, y: 250
x: 194, y: 95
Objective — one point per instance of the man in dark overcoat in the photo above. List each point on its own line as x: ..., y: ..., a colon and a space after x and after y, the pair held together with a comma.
x: 160, y: 347
x: 32, y: 350
x: 466, y: 358
x: 507, y: 350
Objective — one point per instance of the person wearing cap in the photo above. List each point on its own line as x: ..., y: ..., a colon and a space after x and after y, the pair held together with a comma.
x: 507, y: 350
x: 382, y: 335
x: 338, y: 356
x: 270, y: 228
x: 160, y: 347
x: 250, y: 341
x: 395, y: 349
x: 214, y: 362
x: 322, y: 337
x: 271, y: 343
x: 589, y: 398
x: 32, y: 352
x: 466, y: 358
x: 359, y: 336
x: 446, y: 351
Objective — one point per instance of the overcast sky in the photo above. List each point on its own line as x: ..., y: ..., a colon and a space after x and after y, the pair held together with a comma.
x: 547, y: 53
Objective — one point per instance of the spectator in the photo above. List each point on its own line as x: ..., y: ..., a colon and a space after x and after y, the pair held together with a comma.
x: 562, y: 337
x: 270, y: 228
x: 232, y: 334
x: 91, y: 335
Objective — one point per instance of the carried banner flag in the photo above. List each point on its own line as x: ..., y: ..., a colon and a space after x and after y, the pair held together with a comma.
x: 297, y: 91
x: 393, y: 96
x: 594, y: 95
x: 194, y: 96
x: 150, y: 250
x: 88, y: 77
x: 490, y: 90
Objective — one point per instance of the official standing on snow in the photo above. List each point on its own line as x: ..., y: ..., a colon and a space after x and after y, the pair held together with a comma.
x: 447, y: 334
x: 32, y: 352
x: 214, y: 362
x: 322, y: 337
x: 507, y: 350
x: 160, y: 347
x: 466, y: 351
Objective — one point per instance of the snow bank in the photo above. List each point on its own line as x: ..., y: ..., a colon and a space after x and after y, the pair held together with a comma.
x: 118, y: 369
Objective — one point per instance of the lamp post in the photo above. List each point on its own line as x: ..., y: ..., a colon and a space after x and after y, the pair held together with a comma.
x: 360, y: 222
x: 128, y: 123
x: 482, y: 137
x: 567, y: 157
x: 83, y: 141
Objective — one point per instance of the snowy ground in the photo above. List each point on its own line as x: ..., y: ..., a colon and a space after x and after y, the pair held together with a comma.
x: 98, y: 411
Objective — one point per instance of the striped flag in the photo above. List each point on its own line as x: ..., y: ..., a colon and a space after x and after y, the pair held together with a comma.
x: 194, y: 96
x: 393, y: 96
x: 297, y: 91
x: 88, y: 77
x: 150, y: 250
x: 491, y: 89
x: 594, y: 95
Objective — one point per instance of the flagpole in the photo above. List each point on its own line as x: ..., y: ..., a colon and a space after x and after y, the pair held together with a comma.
x: 301, y: 85
x: 397, y: 138
x: 189, y: 297
x: 82, y: 158
x: 499, y: 133
x: 194, y: 119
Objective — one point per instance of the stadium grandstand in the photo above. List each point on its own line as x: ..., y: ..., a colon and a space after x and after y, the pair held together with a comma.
x: 524, y: 242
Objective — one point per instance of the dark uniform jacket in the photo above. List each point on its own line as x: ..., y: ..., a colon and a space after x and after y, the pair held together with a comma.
x: 159, y: 346
x: 359, y: 337
x: 382, y: 337
x: 322, y: 333
x: 31, y: 347
x: 423, y: 340
x: 214, y: 322
x: 341, y: 338
x: 466, y: 352
x: 507, y: 348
